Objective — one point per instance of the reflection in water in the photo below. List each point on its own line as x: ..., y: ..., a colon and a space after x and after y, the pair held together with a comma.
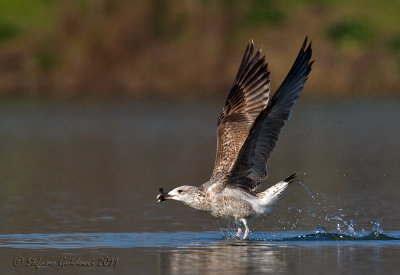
x: 242, y: 258
x: 249, y: 259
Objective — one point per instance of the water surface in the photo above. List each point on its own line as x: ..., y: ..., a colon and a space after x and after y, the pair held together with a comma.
x: 79, y: 179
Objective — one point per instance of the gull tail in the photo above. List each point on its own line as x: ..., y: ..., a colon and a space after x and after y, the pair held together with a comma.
x: 290, y: 178
x: 272, y: 194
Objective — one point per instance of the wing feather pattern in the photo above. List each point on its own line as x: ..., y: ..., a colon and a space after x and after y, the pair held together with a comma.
x: 247, y: 98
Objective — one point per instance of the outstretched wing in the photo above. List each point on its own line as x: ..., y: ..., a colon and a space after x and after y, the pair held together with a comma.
x: 248, y: 96
x: 250, y: 167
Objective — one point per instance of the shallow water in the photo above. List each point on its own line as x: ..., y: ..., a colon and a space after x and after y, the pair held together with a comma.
x: 79, y: 180
x: 202, y: 252
x: 193, y: 239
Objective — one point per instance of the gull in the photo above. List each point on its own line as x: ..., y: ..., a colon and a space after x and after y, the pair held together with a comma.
x: 247, y: 131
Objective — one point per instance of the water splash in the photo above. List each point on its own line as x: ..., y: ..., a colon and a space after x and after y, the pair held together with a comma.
x: 321, y: 234
x: 230, y: 229
x: 376, y: 228
x: 350, y: 225
x: 320, y: 230
x: 305, y: 187
x: 325, y: 210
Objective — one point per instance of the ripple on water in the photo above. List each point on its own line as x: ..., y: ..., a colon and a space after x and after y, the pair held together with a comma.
x: 195, y: 239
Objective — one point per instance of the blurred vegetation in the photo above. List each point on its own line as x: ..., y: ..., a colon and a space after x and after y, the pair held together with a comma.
x: 193, y: 47
x: 352, y: 31
x: 7, y: 31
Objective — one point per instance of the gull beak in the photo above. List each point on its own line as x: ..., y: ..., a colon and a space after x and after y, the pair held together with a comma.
x: 163, y: 196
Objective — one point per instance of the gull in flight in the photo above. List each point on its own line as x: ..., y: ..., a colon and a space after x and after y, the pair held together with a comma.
x: 247, y: 131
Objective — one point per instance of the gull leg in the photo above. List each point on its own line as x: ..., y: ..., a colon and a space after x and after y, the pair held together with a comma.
x: 247, y: 231
x: 239, y: 232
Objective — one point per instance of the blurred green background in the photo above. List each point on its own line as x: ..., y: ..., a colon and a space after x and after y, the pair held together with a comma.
x: 192, y: 48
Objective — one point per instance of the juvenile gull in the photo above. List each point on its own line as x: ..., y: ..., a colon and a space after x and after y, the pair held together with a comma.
x: 247, y: 131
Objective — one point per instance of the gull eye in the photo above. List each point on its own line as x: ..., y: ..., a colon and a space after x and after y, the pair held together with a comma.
x: 180, y: 191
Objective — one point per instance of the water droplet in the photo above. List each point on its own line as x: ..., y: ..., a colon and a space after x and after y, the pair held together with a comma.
x: 376, y: 228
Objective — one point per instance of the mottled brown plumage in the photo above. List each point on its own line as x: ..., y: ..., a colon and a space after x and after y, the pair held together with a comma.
x: 248, y: 96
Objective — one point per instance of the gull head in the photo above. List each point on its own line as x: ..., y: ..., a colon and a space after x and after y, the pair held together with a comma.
x: 183, y: 193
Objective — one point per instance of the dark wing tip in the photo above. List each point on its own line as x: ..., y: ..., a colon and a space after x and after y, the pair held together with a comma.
x: 290, y: 178
x: 308, y: 52
x: 305, y: 42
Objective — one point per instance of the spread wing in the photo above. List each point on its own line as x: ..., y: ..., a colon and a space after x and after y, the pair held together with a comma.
x: 248, y: 96
x: 250, y: 167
